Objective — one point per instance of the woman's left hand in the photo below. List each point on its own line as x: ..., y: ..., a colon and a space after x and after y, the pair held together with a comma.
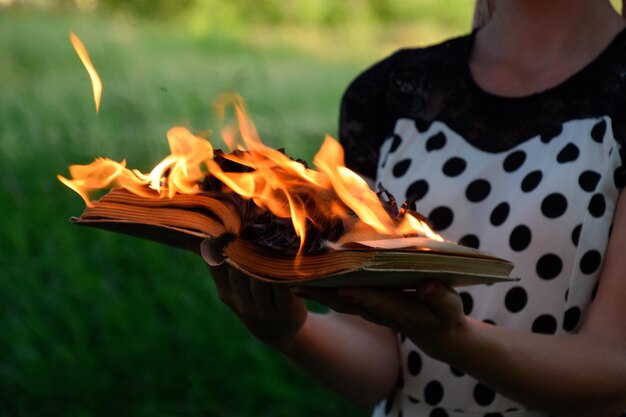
x: 431, y: 316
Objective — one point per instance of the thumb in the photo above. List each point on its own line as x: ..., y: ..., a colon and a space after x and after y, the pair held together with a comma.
x: 443, y: 301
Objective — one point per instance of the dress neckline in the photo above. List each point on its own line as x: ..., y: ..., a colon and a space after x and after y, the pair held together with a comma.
x: 570, y: 82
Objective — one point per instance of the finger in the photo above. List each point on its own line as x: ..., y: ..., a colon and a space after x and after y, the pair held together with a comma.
x: 393, y: 308
x: 242, y: 296
x: 327, y: 297
x: 263, y: 297
x: 431, y: 305
x: 442, y: 300
x: 285, y: 299
x: 222, y: 283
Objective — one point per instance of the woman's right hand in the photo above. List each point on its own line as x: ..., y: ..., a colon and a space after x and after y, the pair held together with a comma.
x: 270, y: 311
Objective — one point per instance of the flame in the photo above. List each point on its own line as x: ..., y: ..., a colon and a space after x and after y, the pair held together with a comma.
x: 96, y: 83
x: 285, y: 187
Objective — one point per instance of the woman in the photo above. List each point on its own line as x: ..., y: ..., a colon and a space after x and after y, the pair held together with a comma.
x: 510, y: 139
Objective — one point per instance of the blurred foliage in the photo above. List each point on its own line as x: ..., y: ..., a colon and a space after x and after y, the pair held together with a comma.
x: 148, y: 8
x: 294, y: 12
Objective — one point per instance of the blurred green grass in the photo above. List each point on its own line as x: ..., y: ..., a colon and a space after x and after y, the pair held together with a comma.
x: 98, y: 324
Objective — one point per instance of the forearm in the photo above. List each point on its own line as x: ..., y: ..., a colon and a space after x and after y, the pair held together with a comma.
x: 356, y: 359
x: 573, y: 375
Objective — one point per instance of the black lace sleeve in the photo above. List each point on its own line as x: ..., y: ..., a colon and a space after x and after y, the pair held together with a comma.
x: 365, y: 119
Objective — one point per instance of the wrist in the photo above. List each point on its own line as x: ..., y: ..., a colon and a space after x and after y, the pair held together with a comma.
x: 450, y: 345
x: 288, y: 342
x: 470, y: 344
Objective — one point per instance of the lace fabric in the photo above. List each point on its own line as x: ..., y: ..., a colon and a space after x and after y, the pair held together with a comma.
x: 435, y: 83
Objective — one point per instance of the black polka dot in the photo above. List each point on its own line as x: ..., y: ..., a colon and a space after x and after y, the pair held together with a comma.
x: 571, y: 319
x: 520, y: 238
x: 514, y: 161
x: 401, y: 168
x: 456, y: 372
x: 598, y: 131
x: 516, y: 299
x: 441, y: 218
x: 413, y: 399
x: 588, y: 180
x: 484, y: 395
x: 554, y: 205
x: 590, y: 262
x: 489, y: 321
x: 414, y: 362
x: 531, y: 181
x: 422, y: 125
x: 566, y: 294
x: 478, y: 190
x: 544, y: 324
x: 500, y: 214
x: 454, y: 167
x: 417, y: 190
x: 549, y: 266
x: 576, y: 234
x: 395, y: 144
x: 551, y: 133
x: 438, y: 412
x: 493, y: 415
x: 568, y: 154
x: 619, y: 177
x: 471, y: 241
x: 468, y: 302
x: 436, y: 142
x: 597, y: 205
x: 433, y: 393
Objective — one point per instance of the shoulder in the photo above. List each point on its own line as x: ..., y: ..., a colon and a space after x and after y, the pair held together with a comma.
x: 412, y: 64
x: 392, y: 88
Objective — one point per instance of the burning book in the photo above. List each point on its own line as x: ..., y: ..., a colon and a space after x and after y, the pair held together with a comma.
x: 274, y: 218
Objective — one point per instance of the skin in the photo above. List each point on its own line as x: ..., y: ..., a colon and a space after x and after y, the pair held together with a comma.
x: 528, y: 46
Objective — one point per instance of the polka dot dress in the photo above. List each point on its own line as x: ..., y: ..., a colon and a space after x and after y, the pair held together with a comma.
x: 547, y: 206
x: 534, y: 180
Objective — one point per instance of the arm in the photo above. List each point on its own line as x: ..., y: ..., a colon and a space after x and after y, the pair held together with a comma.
x: 581, y: 374
x: 576, y: 375
x: 355, y: 358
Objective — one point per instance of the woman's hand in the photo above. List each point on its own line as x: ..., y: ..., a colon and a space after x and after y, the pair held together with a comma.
x: 431, y: 316
x: 271, y: 312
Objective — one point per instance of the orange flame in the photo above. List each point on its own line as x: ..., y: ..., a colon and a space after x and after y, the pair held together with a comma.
x: 276, y: 182
x: 96, y: 83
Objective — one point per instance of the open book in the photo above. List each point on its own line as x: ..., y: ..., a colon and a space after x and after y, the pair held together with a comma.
x: 218, y: 228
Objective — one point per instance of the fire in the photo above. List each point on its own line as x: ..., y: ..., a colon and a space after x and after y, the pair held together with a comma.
x: 96, y: 83
x: 285, y: 187
x: 274, y: 181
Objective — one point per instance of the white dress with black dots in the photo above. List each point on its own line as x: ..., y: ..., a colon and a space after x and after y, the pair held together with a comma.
x: 538, y: 187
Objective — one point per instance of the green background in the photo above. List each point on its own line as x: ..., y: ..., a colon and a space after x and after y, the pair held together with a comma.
x: 99, y: 324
